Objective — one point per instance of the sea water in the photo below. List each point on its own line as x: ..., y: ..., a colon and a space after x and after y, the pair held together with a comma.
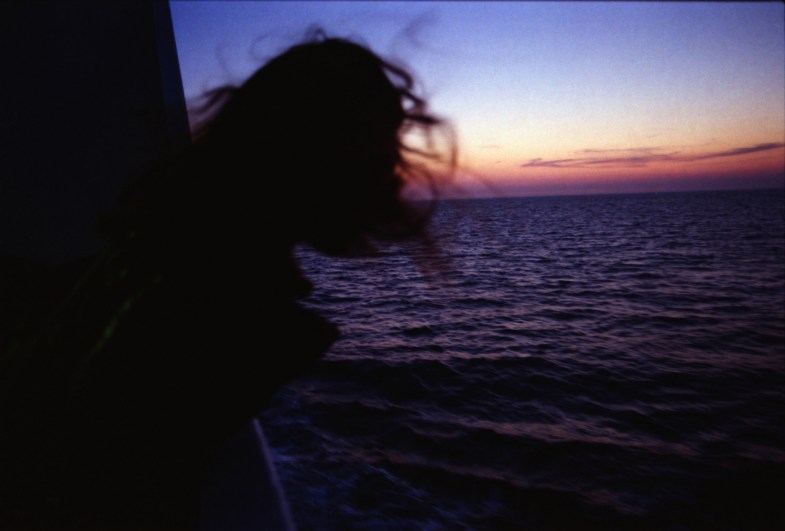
x: 587, y: 362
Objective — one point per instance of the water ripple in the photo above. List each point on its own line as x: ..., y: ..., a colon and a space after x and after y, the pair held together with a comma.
x: 611, y: 362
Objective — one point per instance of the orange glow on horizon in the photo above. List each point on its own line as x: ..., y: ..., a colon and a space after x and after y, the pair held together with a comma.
x: 756, y: 166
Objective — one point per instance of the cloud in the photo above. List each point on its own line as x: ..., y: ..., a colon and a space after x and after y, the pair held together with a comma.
x: 640, y: 157
x: 740, y: 151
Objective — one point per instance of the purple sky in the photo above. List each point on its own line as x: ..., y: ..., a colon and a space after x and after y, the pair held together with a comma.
x: 551, y: 97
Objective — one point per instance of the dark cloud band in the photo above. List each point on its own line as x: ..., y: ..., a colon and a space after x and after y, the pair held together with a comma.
x: 641, y: 157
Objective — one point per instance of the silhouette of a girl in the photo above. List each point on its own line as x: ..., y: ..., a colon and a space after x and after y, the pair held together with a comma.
x: 188, y: 322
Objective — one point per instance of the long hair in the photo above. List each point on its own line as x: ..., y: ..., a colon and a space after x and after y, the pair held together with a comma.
x: 311, y: 148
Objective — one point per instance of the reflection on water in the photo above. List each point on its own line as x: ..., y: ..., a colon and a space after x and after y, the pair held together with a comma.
x: 589, y: 363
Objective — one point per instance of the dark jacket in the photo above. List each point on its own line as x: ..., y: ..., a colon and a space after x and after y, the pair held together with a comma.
x: 111, y: 405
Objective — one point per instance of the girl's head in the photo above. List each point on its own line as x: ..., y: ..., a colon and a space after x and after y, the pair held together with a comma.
x: 317, y: 134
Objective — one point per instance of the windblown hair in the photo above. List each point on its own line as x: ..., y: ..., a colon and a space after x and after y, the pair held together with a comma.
x: 313, y: 145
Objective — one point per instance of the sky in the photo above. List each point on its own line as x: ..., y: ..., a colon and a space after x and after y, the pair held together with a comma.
x: 550, y: 98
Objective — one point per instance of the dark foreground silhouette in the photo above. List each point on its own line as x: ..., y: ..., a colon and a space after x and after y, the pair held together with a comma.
x: 121, y: 375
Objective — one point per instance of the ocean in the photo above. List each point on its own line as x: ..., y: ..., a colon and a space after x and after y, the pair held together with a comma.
x: 586, y: 362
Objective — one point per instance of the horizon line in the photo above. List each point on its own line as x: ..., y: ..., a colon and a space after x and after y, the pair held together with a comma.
x: 577, y: 194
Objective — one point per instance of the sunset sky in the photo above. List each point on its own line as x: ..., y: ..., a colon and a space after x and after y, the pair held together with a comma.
x: 550, y: 98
